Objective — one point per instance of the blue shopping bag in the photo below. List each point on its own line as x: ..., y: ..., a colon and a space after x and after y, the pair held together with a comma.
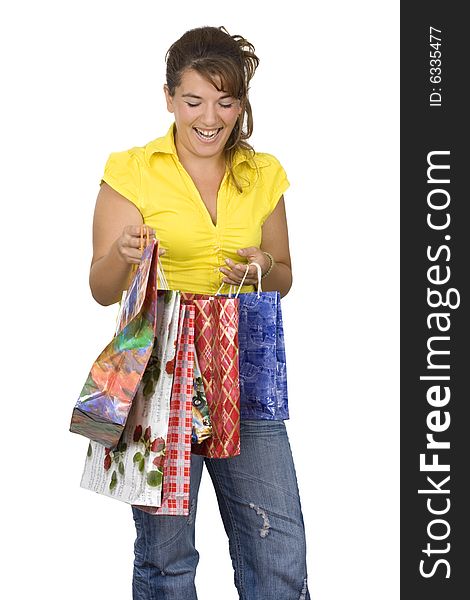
x: 262, y: 355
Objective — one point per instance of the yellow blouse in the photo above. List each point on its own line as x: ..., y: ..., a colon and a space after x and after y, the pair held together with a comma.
x: 153, y: 179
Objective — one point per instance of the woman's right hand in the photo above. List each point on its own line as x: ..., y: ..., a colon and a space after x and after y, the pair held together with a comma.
x: 116, y: 244
x: 128, y: 244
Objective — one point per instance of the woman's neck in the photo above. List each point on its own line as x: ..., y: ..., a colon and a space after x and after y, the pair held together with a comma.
x: 198, y: 165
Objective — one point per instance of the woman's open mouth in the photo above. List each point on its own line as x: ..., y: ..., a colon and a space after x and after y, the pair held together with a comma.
x: 207, y: 135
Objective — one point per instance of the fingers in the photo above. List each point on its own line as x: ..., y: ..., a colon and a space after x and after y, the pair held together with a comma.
x: 134, y: 256
x: 134, y: 230
x: 130, y: 255
x: 239, y: 268
x: 249, y: 252
x: 235, y: 274
x: 135, y: 235
x: 247, y: 281
x: 238, y: 283
x: 132, y: 241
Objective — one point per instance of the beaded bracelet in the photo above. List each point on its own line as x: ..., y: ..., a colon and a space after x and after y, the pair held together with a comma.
x: 270, y: 266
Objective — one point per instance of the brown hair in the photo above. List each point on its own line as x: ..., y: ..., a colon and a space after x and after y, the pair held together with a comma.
x: 217, y: 55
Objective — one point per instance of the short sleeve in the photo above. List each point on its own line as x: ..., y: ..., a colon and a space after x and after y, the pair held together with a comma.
x: 122, y: 173
x: 275, y: 181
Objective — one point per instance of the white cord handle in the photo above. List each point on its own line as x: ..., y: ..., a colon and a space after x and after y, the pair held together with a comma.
x: 161, y: 274
x: 164, y: 281
x: 258, y: 268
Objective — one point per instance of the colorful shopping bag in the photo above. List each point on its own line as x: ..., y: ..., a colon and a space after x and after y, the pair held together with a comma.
x: 216, y: 341
x: 177, y: 459
x: 132, y: 472
x: 105, y: 400
x: 263, y: 374
x: 202, y: 428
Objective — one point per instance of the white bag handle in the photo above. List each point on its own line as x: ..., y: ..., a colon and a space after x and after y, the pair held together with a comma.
x: 164, y: 281
x: 258, y: 268
x: 161, y: 275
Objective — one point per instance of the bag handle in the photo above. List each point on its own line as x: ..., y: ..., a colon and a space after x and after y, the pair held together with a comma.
x: 135, y: 266
x: 147, y: 237
x: 134, y: 269
x: 258, y: 268
x: 160, y: 271
x: 164, y: 281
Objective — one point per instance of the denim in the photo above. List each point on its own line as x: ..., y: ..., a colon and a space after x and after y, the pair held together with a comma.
x: 262, y: 354
x: 259, y: 503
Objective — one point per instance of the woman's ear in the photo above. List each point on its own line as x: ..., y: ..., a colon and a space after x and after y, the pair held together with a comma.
x: 169, y: 98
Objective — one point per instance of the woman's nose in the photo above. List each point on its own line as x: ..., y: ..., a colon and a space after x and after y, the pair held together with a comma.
x: 210, y: 116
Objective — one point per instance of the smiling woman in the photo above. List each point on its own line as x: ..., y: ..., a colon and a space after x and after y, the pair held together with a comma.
x: 204, y: 127
x: 216, y: 206
x: 203, y: 115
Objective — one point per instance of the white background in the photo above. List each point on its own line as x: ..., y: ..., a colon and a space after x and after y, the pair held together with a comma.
x: 83, y: 79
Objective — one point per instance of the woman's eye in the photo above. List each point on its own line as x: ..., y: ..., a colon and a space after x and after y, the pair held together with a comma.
x: 198, y: 104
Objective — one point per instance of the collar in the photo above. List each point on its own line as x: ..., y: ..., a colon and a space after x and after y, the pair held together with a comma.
x: 166, y: 145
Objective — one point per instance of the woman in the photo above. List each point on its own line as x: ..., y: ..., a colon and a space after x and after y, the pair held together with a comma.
x: 215, y: 205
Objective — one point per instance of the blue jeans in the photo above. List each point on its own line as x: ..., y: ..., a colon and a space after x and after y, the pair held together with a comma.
x: 260, y: 507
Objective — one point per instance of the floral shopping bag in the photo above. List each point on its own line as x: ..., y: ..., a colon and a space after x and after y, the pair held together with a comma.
x: 177, y: 459
x: 105, y: 400
x: 132, y: 471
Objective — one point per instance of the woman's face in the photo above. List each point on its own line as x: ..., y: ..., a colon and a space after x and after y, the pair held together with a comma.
x: 204, y: 116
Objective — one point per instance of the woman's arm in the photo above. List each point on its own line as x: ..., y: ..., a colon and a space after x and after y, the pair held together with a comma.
x: 275, y: 240
x: 116, y: 245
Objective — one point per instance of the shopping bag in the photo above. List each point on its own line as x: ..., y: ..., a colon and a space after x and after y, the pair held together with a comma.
x: 105, y: 400
x: 263, y: 374
x: 177, y: 458
x: 133, y: 471
x: 216, y: 342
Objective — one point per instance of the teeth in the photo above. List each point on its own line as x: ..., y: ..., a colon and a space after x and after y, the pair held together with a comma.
x: 207, y: 133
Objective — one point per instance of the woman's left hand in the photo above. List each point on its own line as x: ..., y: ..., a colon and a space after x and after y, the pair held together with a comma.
x: 234, y: 272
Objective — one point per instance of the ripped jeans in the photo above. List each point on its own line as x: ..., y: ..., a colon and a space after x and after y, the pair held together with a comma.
x: 260, y: 507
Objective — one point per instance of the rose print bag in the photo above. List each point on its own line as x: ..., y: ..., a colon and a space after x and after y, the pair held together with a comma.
x: 177, y: 458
